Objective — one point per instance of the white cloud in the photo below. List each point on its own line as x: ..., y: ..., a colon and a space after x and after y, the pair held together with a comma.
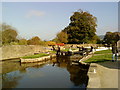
x: 33, y: 13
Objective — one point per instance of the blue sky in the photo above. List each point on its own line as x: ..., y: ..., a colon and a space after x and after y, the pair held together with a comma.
x: 46, y: 19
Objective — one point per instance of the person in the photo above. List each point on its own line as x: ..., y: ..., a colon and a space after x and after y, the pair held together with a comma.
x: 58, y: 51
x: 53, y: 48
x: 91, y: 49
x: 79, y: 48
x: 58, y: 48
x: 83, y: 50
x: 114, y: 52
x: 71, y: 46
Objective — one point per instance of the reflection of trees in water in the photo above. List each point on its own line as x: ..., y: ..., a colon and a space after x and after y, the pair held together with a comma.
x: 61, y: 61
x: 78, y: 73
x: 10, y: 81
x: 9, y: 66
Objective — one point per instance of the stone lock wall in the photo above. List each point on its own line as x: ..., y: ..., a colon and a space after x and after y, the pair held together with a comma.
x: 16, y: 51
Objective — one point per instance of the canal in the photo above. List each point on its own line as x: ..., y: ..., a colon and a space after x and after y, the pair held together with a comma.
x: 56, y: 73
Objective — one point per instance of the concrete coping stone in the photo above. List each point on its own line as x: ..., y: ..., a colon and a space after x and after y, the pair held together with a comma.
x: 40, y: 59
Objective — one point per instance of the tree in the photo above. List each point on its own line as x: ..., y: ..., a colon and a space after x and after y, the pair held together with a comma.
x: 62, y: 37
x: 9, y: 34
x: 56, y: 40
x: 111, y: 37
x: 34, y: 41
x: 50, y: 43
x: 82, y: 28
x: 22, y: 42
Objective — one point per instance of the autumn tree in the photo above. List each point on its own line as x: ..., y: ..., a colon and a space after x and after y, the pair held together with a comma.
x: 50, y: 43
x: 22, y: 42
x: 62, y: 37
x: 9, y: 34
x: 34, y: 41
x: 82, y: 28
x: 56, y: 40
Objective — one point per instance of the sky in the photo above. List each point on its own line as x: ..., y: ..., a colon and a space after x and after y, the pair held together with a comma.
x: 46, y: 19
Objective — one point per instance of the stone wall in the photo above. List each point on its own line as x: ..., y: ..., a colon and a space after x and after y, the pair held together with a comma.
x: 16, y: 51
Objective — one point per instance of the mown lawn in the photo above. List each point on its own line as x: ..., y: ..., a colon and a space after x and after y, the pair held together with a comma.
x: 35, y: 56
x: 104, y: 55
x: 103, y: 52
x: 99, y: 58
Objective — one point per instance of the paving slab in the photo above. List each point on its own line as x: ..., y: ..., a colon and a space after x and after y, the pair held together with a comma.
x: 104, y: 75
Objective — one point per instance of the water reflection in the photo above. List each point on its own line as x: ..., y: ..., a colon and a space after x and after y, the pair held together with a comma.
x: 78, y: 73
x: 78, y: 76
x: 10, y: 81
x: 60, y: 71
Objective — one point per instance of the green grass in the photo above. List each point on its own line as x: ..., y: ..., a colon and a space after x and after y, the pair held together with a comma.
x: 106, y: 55
x: 103, y: 52
x: 52, y: 51
x: 67, y: 49
x: 99, y: 58
x: 35, y: 56
x: 74, y: 49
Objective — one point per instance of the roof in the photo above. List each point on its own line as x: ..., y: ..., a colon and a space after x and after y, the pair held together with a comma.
x: 60, y: 44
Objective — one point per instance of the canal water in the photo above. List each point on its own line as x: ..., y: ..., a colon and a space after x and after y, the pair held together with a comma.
x: 59, y: 72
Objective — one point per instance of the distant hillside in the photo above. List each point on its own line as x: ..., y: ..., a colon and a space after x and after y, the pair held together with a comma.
x: 101, y: 36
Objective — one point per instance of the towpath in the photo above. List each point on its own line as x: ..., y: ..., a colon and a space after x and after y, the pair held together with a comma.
x: 104, y: 75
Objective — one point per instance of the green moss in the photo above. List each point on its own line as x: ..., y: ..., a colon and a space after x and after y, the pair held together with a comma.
x: 35, y: 56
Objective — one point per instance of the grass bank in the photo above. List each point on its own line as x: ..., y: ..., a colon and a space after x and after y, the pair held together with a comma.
x: 100, y: 56
x: 35, y: 56
x: 103, y: 52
